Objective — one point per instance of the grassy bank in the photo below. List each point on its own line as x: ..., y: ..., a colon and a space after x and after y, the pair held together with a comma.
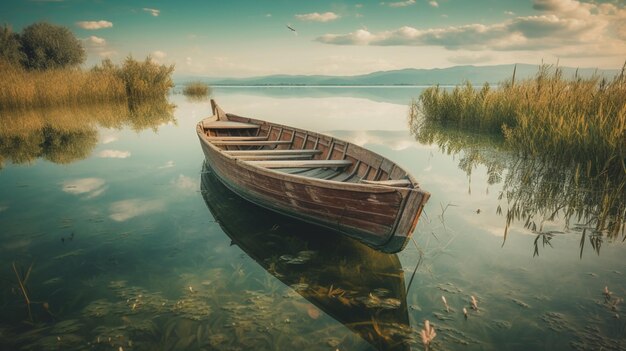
x: 131, y: 81
x: 576, y: 120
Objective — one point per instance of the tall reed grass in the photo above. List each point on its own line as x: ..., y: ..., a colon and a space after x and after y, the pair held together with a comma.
x: 196, y: 89
x: 577, y: 120
x: 132, y: 81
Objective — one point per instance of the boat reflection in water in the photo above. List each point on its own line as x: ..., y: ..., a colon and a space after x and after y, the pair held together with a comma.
x: 356, y: 285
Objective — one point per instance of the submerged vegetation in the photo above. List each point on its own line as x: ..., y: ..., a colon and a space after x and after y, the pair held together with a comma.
x: 578, y: 120
x: 197, y: 90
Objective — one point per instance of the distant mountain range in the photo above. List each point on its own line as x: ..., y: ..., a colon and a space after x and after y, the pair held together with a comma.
x: 409, y: 76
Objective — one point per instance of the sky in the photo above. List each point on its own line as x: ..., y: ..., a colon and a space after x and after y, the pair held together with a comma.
x: 243, y: 38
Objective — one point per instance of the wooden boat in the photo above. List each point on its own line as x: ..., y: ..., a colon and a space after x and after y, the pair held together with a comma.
x: 313, y: 177
x: 359, y: 287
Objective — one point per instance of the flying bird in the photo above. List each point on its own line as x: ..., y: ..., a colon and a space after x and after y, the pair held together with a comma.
x: 292, y: 29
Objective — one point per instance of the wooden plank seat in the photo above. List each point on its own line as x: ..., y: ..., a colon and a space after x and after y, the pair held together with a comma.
x: 273, y: 157
x: 229, y: 125
x: 251, y: 143
x: 237, y: 138
x: 273, y: 152
x: 302, y: 164
x: 391, y: 182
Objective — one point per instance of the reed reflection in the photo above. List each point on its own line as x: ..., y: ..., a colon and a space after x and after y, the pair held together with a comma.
x: 65, y: 135
x: 539, y: 190
x: 359, y: 287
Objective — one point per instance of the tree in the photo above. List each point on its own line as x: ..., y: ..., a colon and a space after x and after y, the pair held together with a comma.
x: 10, y: 46
x: 50, y: 46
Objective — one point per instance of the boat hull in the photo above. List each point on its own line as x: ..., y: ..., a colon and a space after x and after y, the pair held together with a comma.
x: 381, y: 217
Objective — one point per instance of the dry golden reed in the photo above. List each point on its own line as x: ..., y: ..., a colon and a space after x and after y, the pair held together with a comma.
x: 132, y: 81
x: 196, y: 89
x: 577, y: 120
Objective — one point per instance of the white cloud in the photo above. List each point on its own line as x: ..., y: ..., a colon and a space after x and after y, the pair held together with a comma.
x: 92, y: 25
x: 185, y: 183
x: 510, y: 13
x: 108, y: 139
x: 126, y: 209
x: 114, y: 154
x: 158, y: 54
x: 153, y: 12
x: 268, y: 15
x: 168, y: 164
x: 91, y: 187
x: 399, y: 3
x: 562, y: 24
x: 318, y: 17
x: 433, y: 4
x: 94, y: 40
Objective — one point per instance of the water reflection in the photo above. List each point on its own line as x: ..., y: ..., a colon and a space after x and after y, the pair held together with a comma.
x: 361, y: 288
x: 539, y: 192
x: 65, y: 135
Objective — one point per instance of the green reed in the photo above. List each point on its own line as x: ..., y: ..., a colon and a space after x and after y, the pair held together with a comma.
x: 131, y: 81
x: 578, y: 120
x: 196, y: 89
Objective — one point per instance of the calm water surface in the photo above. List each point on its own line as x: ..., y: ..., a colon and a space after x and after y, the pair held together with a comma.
x: 120, y: 238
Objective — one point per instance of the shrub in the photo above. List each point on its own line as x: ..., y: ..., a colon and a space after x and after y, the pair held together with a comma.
x: 49, y: 46
x: 10, y: 46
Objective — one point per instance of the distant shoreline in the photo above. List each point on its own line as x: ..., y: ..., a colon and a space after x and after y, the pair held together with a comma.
x: 452, y: 76
x: 326, y: 86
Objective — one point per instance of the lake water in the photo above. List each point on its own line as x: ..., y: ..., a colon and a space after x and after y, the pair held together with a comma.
x: 120, y: 238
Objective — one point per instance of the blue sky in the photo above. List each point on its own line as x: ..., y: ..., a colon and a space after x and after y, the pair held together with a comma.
x: 250, y: 37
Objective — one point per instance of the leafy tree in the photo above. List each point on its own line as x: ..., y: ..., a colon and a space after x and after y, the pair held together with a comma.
x: 50, y: 46
x: 10, y: 46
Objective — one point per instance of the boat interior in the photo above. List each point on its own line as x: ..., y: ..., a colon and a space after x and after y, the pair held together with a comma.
x: 301, y: 152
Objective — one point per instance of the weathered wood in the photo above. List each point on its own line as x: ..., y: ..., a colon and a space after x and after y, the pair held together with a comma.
x: 392, y: 182
x: 236, y: 138
x: 272, y: 157
x: 218, y: 112
x: 273, y: 152
x: 352, y: 200
x: 251, y: 143
x: 302, y: 164
x: 229, y: 125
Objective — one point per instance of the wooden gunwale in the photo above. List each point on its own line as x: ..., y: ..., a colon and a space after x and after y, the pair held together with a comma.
x: 330, y: 184
x: 389, y: 177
